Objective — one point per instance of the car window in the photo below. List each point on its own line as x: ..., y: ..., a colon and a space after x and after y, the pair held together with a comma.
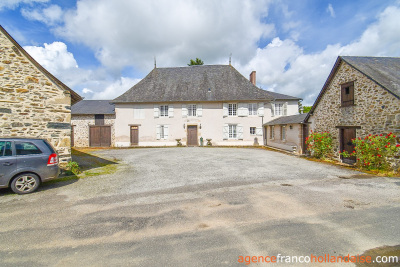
x: 5, y: 149
x: 26, y: 148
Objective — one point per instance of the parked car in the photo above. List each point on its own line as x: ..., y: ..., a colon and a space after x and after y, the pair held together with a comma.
x: 25, y: 163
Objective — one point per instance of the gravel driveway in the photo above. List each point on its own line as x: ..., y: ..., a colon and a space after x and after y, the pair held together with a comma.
x: 199, y: 207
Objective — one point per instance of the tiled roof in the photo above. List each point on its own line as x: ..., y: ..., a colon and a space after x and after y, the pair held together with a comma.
x: 74, y: 96
x: 288, y: 119
x: 92, y: 107
x: 195, y: 83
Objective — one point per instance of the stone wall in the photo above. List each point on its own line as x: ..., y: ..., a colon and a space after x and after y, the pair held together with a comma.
x: 31, y: 105
x: 375, y: 111
x: 81, y: 125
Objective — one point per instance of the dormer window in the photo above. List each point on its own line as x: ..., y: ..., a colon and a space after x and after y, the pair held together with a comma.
x: 347, y: 94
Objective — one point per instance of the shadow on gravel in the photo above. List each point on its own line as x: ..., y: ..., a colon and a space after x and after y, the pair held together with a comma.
x: 88, y: 161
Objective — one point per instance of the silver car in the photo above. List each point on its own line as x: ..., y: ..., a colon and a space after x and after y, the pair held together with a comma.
x: 25, y: 163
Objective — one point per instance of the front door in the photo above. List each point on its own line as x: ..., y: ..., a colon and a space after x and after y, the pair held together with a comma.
x: 134, y: 135
x: 192, y: 135
x: 346, y: 144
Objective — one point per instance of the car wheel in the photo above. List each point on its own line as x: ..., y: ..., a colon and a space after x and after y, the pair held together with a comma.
x: 25, y: 183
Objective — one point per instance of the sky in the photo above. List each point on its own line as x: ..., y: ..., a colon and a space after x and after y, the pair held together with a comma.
x: 101, y: 48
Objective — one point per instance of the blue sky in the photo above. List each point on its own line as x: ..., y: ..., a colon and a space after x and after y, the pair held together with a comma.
x: 101, y: 48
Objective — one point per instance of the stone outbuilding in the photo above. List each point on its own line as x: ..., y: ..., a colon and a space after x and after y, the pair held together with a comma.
x: 33, y: 103
x: 93, y: 123
x: 287, y: 133
x: 360, y: 97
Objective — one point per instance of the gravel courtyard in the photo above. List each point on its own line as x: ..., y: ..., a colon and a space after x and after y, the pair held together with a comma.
x: 199, y: 207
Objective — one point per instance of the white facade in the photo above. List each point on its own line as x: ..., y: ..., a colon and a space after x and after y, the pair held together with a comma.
x: 230, y: 123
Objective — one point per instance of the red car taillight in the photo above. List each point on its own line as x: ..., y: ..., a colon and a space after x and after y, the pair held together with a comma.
x: 52, y: 160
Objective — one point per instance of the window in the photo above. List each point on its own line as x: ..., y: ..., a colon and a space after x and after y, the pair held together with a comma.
x: 164, y: 111
x: 283, y: 132
x: 232, y: 131
x: 271, y: 132
x: 278, y: 109
x: 347, y: 94
x: 192, y: 110
x: 162, y: 132
x: 232, y: 109
x: 252, y: 130
x: 5, y: 149
x: 99, y: 119
x: 253, y: 109
x: 26, y: 148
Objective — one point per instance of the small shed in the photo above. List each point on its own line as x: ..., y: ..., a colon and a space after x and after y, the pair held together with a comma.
x: 93, y: 124
x: 287, y: 133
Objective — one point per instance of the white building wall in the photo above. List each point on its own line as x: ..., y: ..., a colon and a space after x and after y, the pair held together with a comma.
x: 210, y: 124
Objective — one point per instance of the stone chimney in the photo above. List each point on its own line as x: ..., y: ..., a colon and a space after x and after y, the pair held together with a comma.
x: 253, y: 77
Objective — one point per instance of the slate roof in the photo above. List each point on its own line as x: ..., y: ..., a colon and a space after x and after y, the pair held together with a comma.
x: 89, y: 107
x: 300, y: 118
x: 195, y: 83
x: 74, y: 96
x: 384, y: 71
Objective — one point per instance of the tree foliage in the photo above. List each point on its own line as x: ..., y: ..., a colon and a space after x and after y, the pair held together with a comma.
x: 306, y: 109
x: 198, y: 61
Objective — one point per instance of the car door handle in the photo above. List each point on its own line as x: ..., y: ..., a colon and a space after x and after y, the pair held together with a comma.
x: 8, y: 163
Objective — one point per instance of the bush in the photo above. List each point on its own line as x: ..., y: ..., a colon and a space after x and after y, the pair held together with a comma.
x: 74, y: 167
x: 319, y: 144
x: 374, y: 152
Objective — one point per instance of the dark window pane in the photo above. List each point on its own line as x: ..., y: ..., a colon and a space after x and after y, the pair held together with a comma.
x: 26, y: 148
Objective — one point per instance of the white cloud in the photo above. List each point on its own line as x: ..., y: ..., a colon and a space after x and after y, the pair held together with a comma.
x: 331, y: 11
x: 54, y: 57
x: 283, y: 65
x: 50, y: 15
x: 11, y: 4
x: 87, y: 91
x: 116, y: 88
x: 124, y: 33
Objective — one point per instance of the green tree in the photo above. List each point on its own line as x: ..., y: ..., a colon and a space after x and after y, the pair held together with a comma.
x: 306, y: 109
x: 198, y: 61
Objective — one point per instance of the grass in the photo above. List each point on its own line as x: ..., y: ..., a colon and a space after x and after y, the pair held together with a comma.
x: 90, y: 164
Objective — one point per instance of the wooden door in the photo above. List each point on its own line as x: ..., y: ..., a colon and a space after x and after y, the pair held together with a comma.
x: 305, y: 135
x: 134, y: 135
x: 346, y: 144
x: 192, y: 136
x: 100, y: 136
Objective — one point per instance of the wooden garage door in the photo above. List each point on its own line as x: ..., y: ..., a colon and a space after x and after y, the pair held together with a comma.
x: 100, y: 136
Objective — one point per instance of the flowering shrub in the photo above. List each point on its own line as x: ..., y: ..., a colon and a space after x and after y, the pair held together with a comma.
x: 374, y: 151
x: 319, y: 144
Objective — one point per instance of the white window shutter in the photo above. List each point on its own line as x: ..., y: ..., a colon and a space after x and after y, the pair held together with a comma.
x: 171, y: 111
x: 285, y: 109
x: 156, y: 111
x: 166, y: 131
x: 225, y: 109
x: 184, y: 111
x: 239, y: 128
x: 225, y: 132
x: 260, y: 110
x: 272, y: 109
x: 259, y: 131
x: 158, y: 130
x: 199, y: 110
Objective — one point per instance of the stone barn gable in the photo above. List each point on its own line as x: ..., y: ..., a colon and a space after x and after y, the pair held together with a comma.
x: 33, y: 103
x: 361, y: 94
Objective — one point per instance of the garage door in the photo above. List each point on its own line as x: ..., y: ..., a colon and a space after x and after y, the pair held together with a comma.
x: 100, y: 136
